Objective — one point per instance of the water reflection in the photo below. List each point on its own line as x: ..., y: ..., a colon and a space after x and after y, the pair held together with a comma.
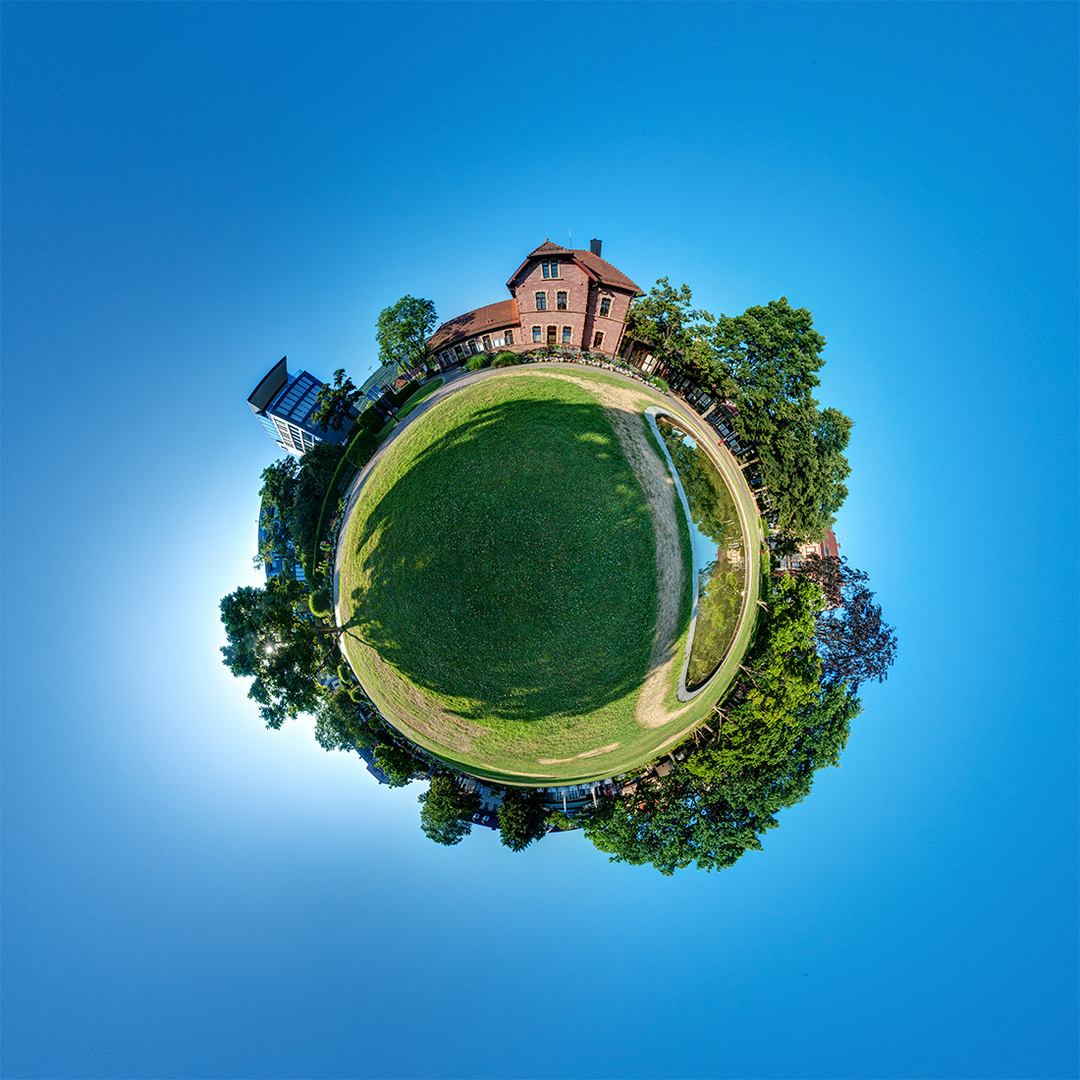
x: 718, y: 545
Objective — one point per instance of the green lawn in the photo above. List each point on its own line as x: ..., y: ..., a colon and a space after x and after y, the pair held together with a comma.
x: 498, y: 580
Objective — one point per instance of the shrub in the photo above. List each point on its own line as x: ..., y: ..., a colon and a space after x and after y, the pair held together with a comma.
x: 475, y: 363
x: 362, y: 449
x: 321, y: 603
x: 344, y: 673
x: 659, y: 383
x: 557, y: 819
x: 506, y: 359
x: 357, y: 694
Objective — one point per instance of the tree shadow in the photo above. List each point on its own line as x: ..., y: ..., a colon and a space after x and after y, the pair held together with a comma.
x: 513, y: 565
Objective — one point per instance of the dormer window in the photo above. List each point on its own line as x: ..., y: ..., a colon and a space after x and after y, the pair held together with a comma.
x: 551, y: 269
x: 605, y: 306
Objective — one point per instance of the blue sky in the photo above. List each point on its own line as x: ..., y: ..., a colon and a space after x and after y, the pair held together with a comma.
x: 192, y: 191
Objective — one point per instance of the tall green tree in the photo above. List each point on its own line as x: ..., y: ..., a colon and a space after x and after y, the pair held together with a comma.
x: 673, y: 328
x: 342, y: 723
x: 402, y: 332
x: 767, y: 362
x: 317, y: 468
x: 337, y: 403
x: 273, y: 640
x: 399, y: 764
x: 446, y: 810
x: 522, y: 818
x: 276, y: 498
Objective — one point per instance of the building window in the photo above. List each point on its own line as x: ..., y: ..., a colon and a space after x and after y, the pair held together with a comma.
x: 605, y: 306
x: 551, y: 335
x: 487, y: 343
x: 541, y: 301
x: 566, y: 331
x: 460, y: 352
x: 536, y: 333
x: 560, y: 301
x: 509, y: 337
x: 473, y: 349
x: 598, y: 340
x: 551, y: 269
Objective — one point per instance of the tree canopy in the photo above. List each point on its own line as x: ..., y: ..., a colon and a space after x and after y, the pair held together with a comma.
x: 672, y: 328
x: 446, y: 810
x: 276, y: 499
x: 855, y: 644
x: 337, y: 402
x: 784, y: 726
x: 273, y: 639
x: 402, y: 332
x: 522, y: 817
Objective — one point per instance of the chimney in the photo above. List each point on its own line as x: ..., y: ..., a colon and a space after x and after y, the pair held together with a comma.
x: 594, y: 246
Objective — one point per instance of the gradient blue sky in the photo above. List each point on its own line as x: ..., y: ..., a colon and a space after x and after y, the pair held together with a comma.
x: 192, y: 191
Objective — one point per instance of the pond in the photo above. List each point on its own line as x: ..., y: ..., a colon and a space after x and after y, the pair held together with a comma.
x: 719, y: 552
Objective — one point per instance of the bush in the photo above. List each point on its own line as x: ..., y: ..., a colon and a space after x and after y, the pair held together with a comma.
x: 557, y: 819
x: 506, y: 359
x: 362, y: 448
x: 321, y: 603
x: 659, y: 383
x: 475, y: 363
x: 344, y: 673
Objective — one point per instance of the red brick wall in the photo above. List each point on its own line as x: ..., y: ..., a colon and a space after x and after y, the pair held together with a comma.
x: 574, y: 282
x: 583, y: 298
x: 611, y: 326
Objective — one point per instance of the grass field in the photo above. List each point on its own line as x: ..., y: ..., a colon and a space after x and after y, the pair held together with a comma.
x: 498, y: 583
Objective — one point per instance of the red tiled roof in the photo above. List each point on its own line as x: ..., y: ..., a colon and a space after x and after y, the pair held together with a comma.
x: 548, y: 248
x: 604, y: 271
x: 493, y: 317
x: 593, y: 265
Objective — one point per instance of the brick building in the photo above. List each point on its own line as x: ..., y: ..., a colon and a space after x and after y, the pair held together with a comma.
x: 559, y: 296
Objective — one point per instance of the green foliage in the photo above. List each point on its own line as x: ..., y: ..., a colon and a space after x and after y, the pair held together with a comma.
x: 766, y: 360
x: 342, y: 723
x: 337, y: 402
x: 344, y: 673
x: 276, y: 513
x: 402, y: 332
x: 480, y: 360
x: 728, y: 794
x: 506, y: 359
x: 558, y: 820
x: 659, y: 383
x: 317, y: 469
x: 522, y: 818
x: 671, y: 326
x: 362, y: 449
x: 321, y: 603
x: 272, y: 640
x: 446, y: 810
x: 399, y: 764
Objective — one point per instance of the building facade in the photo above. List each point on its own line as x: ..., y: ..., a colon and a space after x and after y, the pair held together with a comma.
x: 283, y: 404
x: 560, y: 297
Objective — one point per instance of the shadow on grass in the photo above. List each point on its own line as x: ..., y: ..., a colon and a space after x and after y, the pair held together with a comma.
x: 511, y: 568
